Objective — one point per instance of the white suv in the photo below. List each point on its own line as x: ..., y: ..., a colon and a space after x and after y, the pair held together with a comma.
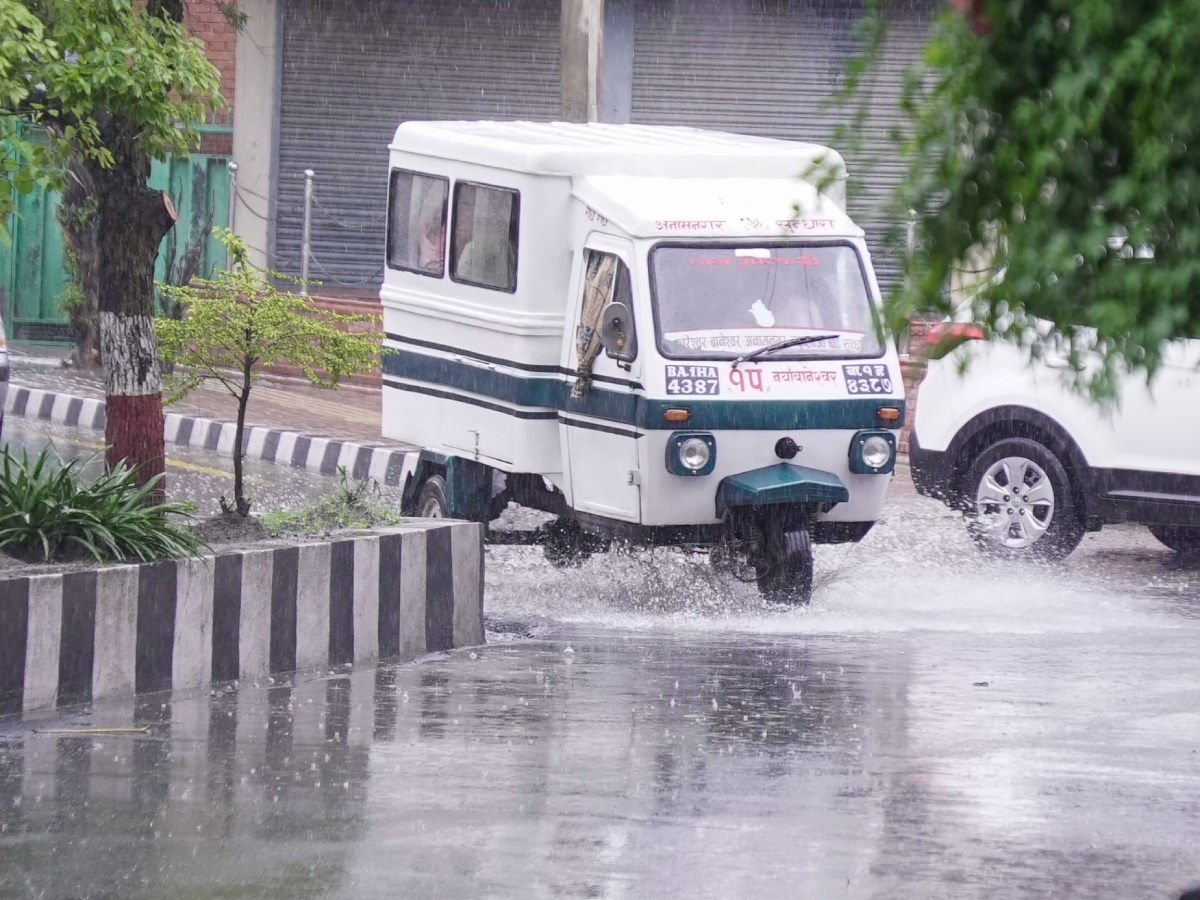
x: 1034, y: 464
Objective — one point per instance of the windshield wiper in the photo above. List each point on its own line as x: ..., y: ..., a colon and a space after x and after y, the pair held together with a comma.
x: 783, y: 345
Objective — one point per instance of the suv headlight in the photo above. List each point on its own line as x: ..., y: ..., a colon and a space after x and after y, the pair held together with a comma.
x: 691, y: 454
x: 873, y: 453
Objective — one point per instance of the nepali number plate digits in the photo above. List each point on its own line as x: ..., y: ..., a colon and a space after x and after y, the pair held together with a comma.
x: 869, y: 378
x: 700, y: 381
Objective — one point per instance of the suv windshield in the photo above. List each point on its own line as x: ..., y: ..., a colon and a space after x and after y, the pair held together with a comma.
x: 715, y: 302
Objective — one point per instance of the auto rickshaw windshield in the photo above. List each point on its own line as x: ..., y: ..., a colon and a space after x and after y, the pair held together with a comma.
x: 713, y: 302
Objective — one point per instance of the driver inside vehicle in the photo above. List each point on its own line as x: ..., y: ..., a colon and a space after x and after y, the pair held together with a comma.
x: 731, y: 300
x: 431, y: 247
x: 431, y: 233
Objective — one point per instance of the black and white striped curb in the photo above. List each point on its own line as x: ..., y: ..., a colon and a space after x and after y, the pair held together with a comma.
x: 387, y: 465
x: 123, y: 630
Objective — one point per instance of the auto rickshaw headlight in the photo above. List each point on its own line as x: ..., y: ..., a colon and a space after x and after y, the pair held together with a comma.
x: 691, y: 454
x: 876, y: 452
x: 872, y: 453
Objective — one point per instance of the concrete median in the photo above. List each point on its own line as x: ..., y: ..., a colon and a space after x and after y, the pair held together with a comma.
x: 73, y: 636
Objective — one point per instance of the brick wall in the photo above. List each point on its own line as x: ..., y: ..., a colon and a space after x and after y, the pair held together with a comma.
x: 205, y: 20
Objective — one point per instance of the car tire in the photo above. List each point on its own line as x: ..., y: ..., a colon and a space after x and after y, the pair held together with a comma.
x: 1041, y: 521
x: 431, y: 499
x: 1179, y: 538
x: 785, y: 574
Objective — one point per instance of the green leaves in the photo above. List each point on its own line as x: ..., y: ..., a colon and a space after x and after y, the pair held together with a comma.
x: 239, y: 320
x: 121, y: 60
x: 355, y: 504
x: 49, y: 511
x: 1059, y: 146
x: 23, y: 45
x: 69, y: 64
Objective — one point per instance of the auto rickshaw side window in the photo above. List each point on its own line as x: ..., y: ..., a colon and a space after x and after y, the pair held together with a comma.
x: 416, y: 234
x: 605, y: 281
x: 483, y: 246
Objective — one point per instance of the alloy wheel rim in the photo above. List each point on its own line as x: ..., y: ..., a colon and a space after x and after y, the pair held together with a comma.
x: 1014, y: 503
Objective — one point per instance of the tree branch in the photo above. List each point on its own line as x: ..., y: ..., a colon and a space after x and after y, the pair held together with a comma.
x: 166, y: 9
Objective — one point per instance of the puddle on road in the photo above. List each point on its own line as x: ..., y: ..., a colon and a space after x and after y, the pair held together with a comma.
x: 933, y: 725
x: 917, y: 569
x: 639, y: 766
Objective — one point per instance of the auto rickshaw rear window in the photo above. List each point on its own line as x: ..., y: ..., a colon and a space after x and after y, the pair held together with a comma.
x: 483, y: 250
x: 416, y: 235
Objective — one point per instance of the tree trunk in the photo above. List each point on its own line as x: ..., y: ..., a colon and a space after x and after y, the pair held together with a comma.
x: 239, y: 499
x: 131, y: 222
x: 77, y: 218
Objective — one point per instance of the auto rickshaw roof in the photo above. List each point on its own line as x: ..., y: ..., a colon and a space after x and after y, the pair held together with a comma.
x: 579, y: 150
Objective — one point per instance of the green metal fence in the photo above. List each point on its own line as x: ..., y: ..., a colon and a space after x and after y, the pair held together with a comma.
x: 32, y: 273
x: 199, y: 188
x: 31, y: 269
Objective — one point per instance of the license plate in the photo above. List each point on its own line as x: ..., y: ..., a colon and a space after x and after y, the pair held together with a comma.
x: 871, y: 378
x: 698, y: 381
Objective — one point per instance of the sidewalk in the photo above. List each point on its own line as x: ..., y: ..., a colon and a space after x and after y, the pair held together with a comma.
x: 289, y: 422
x: 351, y: 412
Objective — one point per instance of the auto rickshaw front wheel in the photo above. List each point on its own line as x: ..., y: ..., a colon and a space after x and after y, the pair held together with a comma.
x: 784, y: 569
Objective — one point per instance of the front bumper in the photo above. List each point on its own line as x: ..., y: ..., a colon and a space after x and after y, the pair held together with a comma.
x: 777, y: 485
x: 932, y: 470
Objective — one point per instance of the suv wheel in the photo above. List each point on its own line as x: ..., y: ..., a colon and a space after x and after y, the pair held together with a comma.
x: 1019, y: 501
x: 1179, y: 538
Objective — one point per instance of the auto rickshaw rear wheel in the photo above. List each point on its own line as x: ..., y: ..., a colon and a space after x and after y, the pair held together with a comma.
x: 784, y: 568
x: 566, y: 545
x: 431, y: 500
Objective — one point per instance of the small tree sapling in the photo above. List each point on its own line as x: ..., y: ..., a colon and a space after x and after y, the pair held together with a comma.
x: 238, y: 321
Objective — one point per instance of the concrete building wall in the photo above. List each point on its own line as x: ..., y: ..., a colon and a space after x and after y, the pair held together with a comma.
x: 616, y: 63
x: 258, y: 64
x: 597, y: 60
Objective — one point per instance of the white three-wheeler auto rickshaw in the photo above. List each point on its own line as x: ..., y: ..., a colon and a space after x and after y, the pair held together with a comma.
x: 659, y: 335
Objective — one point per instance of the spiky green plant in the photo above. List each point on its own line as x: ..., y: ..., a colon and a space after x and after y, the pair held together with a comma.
x: 49, y: 511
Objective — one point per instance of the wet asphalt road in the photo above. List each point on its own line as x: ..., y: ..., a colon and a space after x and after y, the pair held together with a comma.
x: 934, y: 725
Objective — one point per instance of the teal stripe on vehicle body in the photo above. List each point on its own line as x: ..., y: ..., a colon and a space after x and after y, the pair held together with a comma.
x: 532, y: 390
x: 850, y: 414
x: 601, y: 403
x: 553, y: 393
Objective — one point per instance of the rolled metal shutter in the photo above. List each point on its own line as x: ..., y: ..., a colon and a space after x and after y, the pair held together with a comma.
x: 352, y: 71
x: 767, y: 67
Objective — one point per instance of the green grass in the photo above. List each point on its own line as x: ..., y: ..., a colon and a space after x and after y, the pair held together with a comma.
x: 353, y: 505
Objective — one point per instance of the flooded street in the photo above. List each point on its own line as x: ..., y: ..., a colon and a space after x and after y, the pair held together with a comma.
x: 580, y: 274
x: 933, y: 724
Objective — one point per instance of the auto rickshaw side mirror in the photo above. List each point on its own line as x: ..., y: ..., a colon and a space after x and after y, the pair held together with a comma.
x: 616, y: 333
